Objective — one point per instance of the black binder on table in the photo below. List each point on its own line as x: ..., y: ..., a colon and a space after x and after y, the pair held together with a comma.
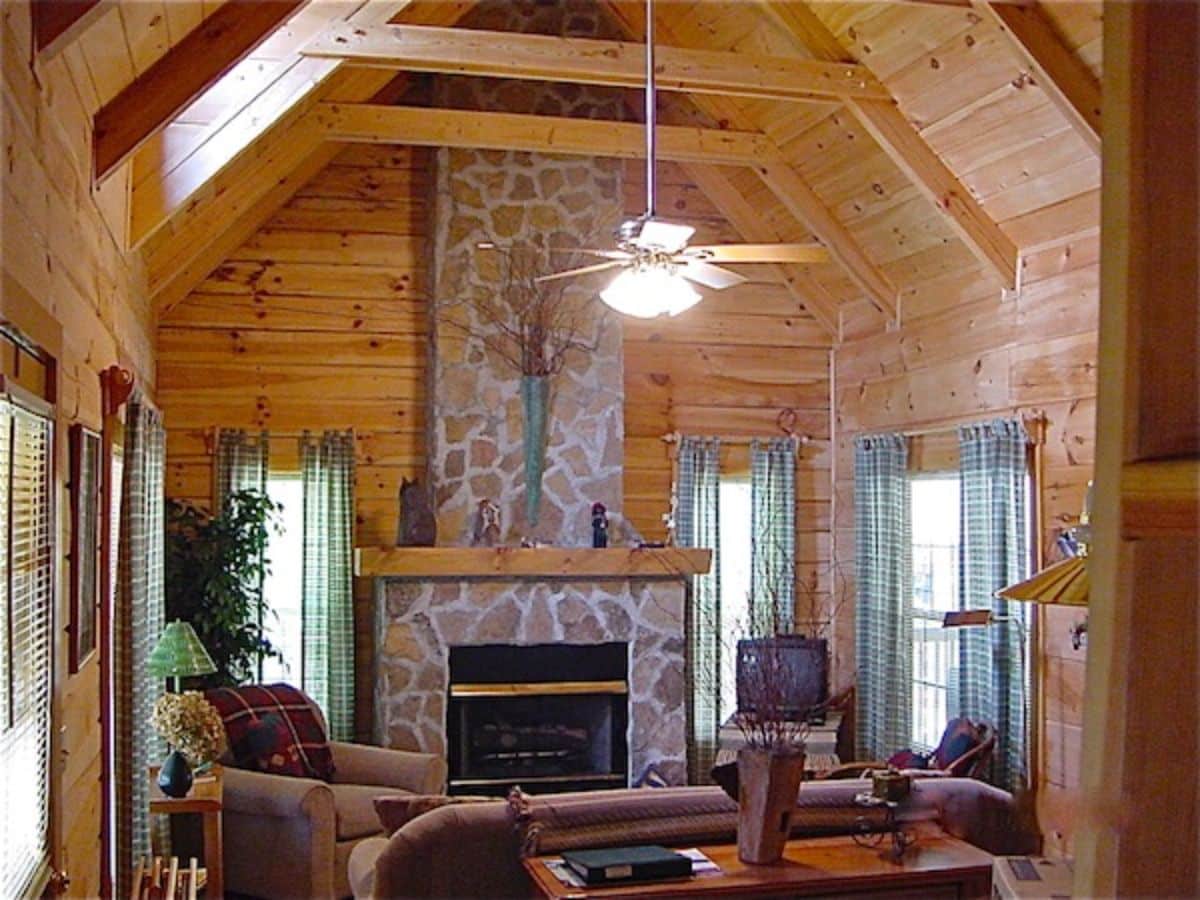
x: 619, y: 864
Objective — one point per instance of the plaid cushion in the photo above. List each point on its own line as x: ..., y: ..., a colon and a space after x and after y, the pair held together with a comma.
x: 908, y: 759
x: 274, y: 728
x: 959, y: 737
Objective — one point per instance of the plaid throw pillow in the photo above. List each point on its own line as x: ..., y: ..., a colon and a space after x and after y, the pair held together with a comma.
x: 272, y: 728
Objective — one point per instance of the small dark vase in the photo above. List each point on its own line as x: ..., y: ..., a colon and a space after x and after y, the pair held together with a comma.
x: 175, y: 776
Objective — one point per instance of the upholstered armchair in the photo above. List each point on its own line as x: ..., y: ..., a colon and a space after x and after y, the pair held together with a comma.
x: 287, y: 836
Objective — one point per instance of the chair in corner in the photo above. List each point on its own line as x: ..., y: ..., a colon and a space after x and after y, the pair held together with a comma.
x: 963, y: 752
x: 291, y: 836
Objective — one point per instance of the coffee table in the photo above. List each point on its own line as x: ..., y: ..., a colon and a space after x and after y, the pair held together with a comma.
x: 935, y: 866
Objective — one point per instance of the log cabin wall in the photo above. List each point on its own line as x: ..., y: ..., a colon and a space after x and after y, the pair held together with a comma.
x: 317, y: 321
x: 68, y: 284
x: 732, y: 365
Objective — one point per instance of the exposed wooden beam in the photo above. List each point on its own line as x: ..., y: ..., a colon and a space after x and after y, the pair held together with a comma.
x: 183, y: 74
x: 588, y: 61
x: 789, y: 187
x: 908, y: 150
x: 373, y: 123
x: 749, y: 223
x: 1067, y: 81
x: 56, y: 23
x: 803, y: 203
x: 302, y: 156
x: 265, y: 174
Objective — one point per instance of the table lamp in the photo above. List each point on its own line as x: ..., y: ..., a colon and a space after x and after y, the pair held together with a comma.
x: 179, y: 654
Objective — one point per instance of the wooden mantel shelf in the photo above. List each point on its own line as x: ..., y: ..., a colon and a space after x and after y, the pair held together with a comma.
x: 530, y: 562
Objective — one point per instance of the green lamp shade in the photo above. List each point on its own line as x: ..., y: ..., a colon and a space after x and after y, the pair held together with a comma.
x: 179, y: 654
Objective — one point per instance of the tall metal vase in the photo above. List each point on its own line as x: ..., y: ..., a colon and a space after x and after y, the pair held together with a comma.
x: 535, y: 401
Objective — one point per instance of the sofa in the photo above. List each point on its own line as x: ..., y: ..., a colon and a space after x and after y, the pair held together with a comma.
x: 473, y: 850
x: 290, y: 836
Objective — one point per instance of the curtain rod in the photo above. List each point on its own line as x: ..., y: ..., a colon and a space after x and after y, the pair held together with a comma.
x: 1037, y: 419
x: 673, y: 437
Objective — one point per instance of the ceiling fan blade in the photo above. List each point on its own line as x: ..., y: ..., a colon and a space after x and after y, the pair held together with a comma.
x: 761, y: 253
x: 589, y: 251
x: 709, y: 275
x: 664, y: 235
x: 582, y: 270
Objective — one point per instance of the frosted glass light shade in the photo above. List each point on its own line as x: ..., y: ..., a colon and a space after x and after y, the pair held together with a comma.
x: 650, y: 291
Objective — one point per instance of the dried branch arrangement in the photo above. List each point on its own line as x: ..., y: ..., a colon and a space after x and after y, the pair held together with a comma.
x: 532, y: 326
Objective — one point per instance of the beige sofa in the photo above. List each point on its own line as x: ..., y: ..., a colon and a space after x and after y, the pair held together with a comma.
x: 292, y: 837
x: 473, y: 850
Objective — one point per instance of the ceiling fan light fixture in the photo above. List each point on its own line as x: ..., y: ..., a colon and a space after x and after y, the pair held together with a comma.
x: 649, y: 291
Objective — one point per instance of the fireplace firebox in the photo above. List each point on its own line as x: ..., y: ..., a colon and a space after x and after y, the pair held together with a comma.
x: 549, y: 717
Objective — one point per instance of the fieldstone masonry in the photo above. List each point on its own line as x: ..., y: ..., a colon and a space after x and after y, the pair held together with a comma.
x: 524, y: 200
x: 475, y: 430
x: 420, y: 620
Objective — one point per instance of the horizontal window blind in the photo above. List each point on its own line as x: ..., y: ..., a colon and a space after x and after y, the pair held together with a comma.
x: 26, y: 583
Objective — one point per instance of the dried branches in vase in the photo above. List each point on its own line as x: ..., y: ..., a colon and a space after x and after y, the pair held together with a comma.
x: 532, y: 326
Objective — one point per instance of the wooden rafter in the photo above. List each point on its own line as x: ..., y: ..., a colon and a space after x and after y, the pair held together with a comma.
x: 380, y: 124
x: 1067, y: 81
x: 263, y: 175
x: 907, y: 149
x: 183, y: 74
x: 803, y: 203
x: 784, y: 181
x: 56, y: 23
x: 749, y: 223
x: 588, y: 61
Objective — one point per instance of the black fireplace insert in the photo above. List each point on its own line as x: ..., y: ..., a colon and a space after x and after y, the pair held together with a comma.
x: 549, y: 717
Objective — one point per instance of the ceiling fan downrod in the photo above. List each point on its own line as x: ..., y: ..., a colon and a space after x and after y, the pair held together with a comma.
x: 651, y: 111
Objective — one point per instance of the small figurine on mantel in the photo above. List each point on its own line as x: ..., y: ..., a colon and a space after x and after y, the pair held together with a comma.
x: 487, y: 525
x: 418, y: 524
x: 599, y: 525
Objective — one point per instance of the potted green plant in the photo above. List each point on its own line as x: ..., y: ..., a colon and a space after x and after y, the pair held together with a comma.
x: 215, y: 566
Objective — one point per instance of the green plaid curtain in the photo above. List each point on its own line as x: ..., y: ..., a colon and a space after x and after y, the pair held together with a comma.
x: 883, y: 620
x: 240, y: 464
x: 993, y: 553
x: 697, y: 524
x: 327, y: 470
x: 773, y: 533
x: 137, y: 624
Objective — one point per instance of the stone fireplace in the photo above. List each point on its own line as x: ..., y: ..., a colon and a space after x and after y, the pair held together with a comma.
x: 419, y: 620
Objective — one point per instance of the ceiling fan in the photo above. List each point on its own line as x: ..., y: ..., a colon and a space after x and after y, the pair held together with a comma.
x: 654, y: 256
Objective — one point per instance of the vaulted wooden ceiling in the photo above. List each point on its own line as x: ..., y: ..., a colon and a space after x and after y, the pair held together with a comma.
x: 920, y: 143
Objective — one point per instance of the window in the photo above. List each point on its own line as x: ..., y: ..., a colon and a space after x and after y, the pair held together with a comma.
x: 735, y: 564
x: 26, y: 596
x: 935, y: 538
x: 283, y: 587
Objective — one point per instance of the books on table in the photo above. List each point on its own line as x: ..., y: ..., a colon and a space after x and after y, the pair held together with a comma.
x: 614, y: 865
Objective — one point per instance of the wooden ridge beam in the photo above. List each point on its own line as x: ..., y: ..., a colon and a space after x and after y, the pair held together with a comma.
x: 160, y: 93
x: 904, y: 145
x: 417, y: 48
x: 373, y: 123
x: 1067, y: 81
x: 732, y: 204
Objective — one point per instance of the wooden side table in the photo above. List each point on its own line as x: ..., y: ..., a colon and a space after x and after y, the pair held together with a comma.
x: 205, y: 798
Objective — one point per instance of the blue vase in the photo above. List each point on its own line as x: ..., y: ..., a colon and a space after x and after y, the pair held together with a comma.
x: 175, y: 776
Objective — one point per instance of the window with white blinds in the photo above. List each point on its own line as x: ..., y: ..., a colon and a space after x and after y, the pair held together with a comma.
x: 26, y: 589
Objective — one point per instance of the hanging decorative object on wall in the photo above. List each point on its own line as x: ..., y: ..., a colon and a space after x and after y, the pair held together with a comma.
x: 532, y: 327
